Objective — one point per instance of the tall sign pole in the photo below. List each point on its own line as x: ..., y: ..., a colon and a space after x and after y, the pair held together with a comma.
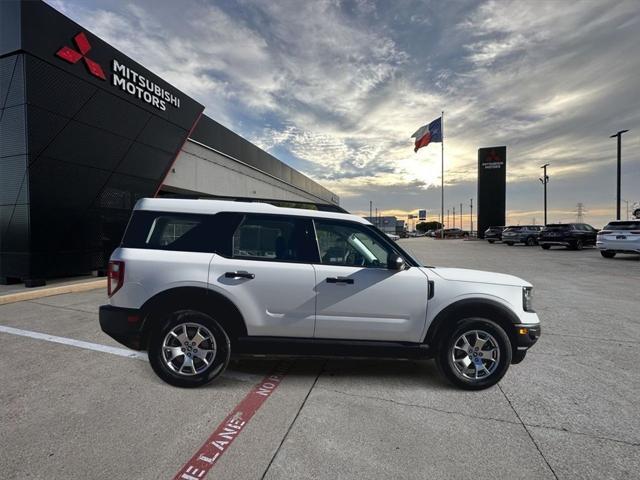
x: 442, y: 176
x: 545, y: 180
x: 471, y: 214
x: 619, y: 135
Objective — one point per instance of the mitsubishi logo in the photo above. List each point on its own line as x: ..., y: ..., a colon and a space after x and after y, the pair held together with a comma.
x: 73, y: 56
x: 493, y: 157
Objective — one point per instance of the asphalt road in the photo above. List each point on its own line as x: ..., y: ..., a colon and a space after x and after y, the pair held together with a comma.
x: 570, y: 410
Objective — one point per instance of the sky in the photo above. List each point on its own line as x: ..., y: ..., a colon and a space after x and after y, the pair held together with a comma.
x: 336, y: 88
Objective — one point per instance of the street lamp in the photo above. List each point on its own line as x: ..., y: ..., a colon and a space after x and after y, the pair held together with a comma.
x: 619, y: 136
x: 545, y: 180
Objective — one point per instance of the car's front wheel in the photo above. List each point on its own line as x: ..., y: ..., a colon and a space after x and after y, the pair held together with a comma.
x: 475, y: 355
x: 607, y: 253
x: 189, y: 350
x: 545, y: 246
x: 531, y: 242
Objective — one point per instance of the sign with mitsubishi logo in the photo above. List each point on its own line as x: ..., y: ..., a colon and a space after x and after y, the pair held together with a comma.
x: 492, y: 179
x: 123, y: 77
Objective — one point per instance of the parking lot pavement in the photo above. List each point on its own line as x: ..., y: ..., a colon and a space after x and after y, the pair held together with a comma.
x: 570, y: 410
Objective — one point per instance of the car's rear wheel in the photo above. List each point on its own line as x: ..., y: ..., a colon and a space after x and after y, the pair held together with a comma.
x: 509, y: 243
x: 189, y: 350
x: 531, y: 241
x: 607, y: 253
x: 475, y: 355
x: 491, y: 241
x: 578, y: 245
x: 545, y: 246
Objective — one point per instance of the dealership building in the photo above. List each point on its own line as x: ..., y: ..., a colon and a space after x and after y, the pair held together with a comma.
x: 85, y: 131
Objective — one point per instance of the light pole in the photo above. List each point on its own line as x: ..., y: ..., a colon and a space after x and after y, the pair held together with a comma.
x: 448, y: 218
x: 619, y: 136
x: 454, y: 217
x: 545, y: 180
x: 471, y: 215
x: 370, y: 211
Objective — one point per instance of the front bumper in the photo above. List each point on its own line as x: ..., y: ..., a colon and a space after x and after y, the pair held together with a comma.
x: 123, y: 325
x: 527, y: 335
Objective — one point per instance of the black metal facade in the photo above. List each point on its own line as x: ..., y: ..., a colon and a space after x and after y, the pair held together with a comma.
x: 492, y: 180
x: 76, y: 151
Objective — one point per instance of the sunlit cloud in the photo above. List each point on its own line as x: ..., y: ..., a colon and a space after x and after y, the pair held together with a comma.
x: 336, y: 88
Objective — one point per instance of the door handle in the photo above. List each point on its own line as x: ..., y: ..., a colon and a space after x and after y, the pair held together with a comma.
x: 340, y: 280
x: 240, y: 274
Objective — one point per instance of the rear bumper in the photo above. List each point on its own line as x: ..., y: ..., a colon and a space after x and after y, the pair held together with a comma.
x: 564, y: 243
x: 618, y: 246
x: 123, y: 325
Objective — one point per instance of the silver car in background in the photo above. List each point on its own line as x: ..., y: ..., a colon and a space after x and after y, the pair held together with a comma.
x: 620, y: 236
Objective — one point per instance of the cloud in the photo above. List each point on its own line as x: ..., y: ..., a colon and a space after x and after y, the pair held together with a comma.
x: 335, y: 88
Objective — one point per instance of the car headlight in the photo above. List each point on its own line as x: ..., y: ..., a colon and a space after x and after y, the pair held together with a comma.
x: 527, y: 299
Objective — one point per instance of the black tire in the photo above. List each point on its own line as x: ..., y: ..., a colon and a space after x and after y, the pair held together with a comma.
x: 491, y: 241
x: 509, y: 243
x: 577, y: 245
x: 191, y: 376
x: 607, y: 253
x: 530, y: 242
x: 446, y: 349
x: 545, y: 247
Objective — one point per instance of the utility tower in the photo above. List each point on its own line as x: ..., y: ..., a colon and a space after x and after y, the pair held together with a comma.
x: 580, y: 211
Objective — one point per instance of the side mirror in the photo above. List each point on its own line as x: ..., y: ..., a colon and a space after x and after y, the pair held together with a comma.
x: 395, y: 262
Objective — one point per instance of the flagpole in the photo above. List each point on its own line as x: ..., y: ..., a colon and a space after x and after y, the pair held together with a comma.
x: 442, y: 176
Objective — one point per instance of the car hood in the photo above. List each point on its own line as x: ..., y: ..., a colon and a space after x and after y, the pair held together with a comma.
x: 477, y: 276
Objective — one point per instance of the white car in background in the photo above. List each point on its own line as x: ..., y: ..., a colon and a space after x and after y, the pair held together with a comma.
x: 393, y: 236
x: 619, y: 236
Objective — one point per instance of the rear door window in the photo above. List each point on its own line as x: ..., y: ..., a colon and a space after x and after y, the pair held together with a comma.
x: 275, y: 238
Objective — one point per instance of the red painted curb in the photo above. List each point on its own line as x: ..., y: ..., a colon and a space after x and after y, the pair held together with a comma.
x: 224, y: 435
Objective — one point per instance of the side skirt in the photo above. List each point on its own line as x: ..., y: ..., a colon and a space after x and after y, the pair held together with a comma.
x: 320, y: 347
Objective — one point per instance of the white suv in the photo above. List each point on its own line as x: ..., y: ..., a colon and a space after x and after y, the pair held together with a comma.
x: 194, y: 281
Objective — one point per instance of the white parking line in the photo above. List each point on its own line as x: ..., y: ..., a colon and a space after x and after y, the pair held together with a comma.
x: 122, y: 352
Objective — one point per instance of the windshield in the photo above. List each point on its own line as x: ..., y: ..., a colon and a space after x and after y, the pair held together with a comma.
x: 630, y: 225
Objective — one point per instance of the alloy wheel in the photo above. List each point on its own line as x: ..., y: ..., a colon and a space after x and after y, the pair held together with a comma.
x: 475, y: 354
x: 188, y: 349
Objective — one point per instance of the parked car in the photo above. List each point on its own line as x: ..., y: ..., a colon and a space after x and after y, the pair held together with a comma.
x: 195, y: 281
x: 451, y: 233
x: 393, y: 236
x: 527, y: 234
x: 619, y: 237
x: 572, y: 235
x: 493, y: 234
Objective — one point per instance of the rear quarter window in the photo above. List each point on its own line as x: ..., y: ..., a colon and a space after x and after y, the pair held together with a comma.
x: 181, y: 231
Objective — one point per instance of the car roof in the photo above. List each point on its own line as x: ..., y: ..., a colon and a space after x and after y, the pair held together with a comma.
x: 182, y: 205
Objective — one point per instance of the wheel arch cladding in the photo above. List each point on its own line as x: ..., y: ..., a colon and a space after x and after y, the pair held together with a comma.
x: 214, y: 304
x: 447, y: 319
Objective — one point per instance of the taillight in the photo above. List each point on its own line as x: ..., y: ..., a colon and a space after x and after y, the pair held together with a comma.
x: 115, y: 276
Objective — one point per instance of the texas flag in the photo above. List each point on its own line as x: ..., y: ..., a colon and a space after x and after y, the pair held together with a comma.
x: 428, y: 133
